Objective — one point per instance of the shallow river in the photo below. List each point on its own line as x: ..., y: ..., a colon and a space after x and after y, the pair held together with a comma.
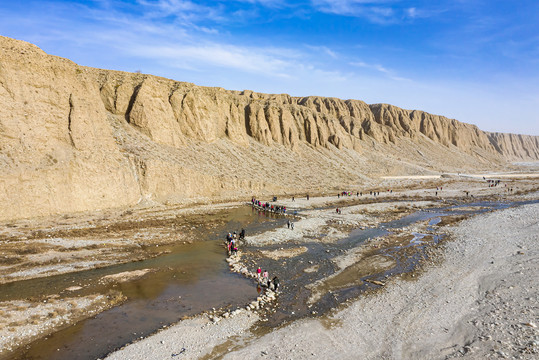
x: 194, y: 278
x: 191, y: 279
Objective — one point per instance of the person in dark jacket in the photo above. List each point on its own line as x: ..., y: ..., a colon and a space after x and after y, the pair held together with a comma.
x: 275, y: 283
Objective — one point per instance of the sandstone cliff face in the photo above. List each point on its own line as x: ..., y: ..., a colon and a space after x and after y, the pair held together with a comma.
x: 74, y: 139
x: 516, y: 147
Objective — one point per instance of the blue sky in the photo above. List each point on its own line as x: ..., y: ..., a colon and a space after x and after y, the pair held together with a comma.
x: 473, y: 60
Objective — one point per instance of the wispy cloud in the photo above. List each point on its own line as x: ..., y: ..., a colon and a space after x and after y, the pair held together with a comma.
x: 381, y: 69
x: 267, y: 3
x: 260, y: 61
x: 183, y: 10
x: 375, y: 11
x: 323, y: 49
x: 176, y: 45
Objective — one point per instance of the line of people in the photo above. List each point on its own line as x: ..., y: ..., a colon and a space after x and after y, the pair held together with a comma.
x: 263, y: 280
x: 266, y: 206
x: 231, y: 242
x: 262, y: 277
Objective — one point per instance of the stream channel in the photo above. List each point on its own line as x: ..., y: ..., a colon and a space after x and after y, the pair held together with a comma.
x: 195, y: 277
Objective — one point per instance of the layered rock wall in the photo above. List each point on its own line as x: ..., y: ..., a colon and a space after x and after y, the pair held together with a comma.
x: 74, y: 139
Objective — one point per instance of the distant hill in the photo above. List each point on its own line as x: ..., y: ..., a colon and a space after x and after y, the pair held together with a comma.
x: 74, y: 138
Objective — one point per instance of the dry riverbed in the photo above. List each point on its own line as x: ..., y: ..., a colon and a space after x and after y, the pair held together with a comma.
x: 44, y: 247
x: 477, y: 300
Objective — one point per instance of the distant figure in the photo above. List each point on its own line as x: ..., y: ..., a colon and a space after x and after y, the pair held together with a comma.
x: 258, y: 274
x: 288, y: 223
x: 234, y: 251
x: 307, y: 196
x: 275, y: 282
x: 292, y: 226
x: 265, y: 278
x: 293, y: 199
x: 242, y: 234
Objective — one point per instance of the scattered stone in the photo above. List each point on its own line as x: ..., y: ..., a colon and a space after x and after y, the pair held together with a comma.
x: 74, y: 288
x: 376, y: 282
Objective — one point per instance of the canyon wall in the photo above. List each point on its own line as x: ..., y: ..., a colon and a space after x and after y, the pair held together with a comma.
x: 74, y: 138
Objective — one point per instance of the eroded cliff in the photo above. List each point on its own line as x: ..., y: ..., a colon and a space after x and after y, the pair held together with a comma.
x: 74, y: 138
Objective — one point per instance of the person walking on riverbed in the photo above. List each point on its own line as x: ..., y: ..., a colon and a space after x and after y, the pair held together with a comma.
x: 275, y: 283
x: 265, y: 278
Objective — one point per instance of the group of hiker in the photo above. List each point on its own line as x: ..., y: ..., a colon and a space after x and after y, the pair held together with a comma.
x: 263, y: 280
x: 290, y: 224
x: 493, y: 183
x: 231, y: 241
x: 262, y: 277
x: 266, y: 206
x: 360, y: 193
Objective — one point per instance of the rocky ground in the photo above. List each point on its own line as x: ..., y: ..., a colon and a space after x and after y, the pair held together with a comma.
x: 476, y: 298
x: 33, y: 248
x: 43, y: 247
x: 22, y: 321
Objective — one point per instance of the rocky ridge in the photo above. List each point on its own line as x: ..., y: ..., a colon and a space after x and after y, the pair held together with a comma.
x: 74, y: 138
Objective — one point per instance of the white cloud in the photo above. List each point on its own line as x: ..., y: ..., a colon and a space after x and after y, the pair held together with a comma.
x: 323, y: 49
x: 381, y: 69
x: 184, y: 10
x: 255, y: 60
x: 411, y: 12
x: 377, y: 11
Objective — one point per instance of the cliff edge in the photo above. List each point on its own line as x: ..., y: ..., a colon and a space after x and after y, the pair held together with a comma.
x: 74, y: 138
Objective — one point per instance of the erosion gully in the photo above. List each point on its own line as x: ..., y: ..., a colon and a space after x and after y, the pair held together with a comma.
x: 194, y: 278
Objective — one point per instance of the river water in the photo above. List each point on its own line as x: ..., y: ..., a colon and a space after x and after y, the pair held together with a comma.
x: 194, y: 278
x: 190, y: 279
